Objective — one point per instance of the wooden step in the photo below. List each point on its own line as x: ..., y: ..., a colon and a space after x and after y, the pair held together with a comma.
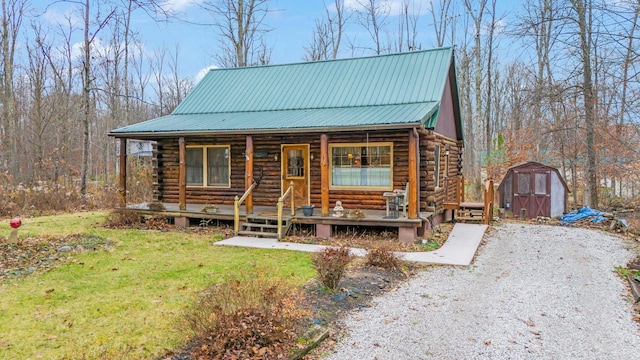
x: 451, y: 206
x: 469, y: 218
x: 259, y: 225
x: 258, y: 234
x: 255, y: 218
x: 470, y: 213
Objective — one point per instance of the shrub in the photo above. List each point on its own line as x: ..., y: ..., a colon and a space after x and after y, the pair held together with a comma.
x: 330, y: 264
x: 384, y: 257
x: 122, y: 218
x: 244, y: 317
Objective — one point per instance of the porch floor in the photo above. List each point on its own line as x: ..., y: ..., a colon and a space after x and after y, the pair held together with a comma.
x: 225, y: 212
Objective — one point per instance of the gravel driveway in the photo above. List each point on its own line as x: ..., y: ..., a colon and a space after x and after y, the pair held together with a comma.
x: 533, y: 292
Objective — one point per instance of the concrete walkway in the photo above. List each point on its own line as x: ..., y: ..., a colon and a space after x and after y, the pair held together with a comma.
x: 459, y: 248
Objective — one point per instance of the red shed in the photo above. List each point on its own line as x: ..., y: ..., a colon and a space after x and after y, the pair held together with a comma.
x: 538, y: 189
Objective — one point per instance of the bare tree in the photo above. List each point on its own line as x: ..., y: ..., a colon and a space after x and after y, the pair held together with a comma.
x: 442, y: 20
x: 12, y: 14
x: 408, y: 26
x: 373, y: 16
x: 490, y: 58
x: 89, y: 41
x: 241, y: 26
x: 327, y: 34
x: 583, y: 18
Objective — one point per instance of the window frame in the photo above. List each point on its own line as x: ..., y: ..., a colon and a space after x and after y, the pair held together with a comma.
x: 361, y: 187
x: 436, y: 165
x: 205, y: 167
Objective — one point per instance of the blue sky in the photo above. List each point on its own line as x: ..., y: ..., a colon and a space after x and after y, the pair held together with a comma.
x: 292, y: 22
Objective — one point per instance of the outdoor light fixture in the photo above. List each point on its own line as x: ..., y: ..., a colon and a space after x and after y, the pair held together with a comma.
x: 275, y: 157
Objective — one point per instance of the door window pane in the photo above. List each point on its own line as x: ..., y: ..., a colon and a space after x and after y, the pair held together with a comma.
x: 524, y: 183
x: 295, y: 163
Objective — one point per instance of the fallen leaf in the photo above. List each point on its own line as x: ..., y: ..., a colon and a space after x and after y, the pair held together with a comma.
x: 51, y: 337
x: 487, y: 342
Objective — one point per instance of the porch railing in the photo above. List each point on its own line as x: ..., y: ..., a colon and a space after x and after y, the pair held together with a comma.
x: 289, y: 192
x: 454, y: 190
x: 236, y: 207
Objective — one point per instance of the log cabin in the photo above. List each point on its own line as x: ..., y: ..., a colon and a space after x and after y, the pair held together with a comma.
x: 380, y: 135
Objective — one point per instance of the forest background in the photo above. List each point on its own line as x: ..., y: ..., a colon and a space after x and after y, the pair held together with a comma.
x: 543, y: 80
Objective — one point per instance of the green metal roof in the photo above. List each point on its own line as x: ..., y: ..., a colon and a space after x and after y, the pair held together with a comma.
x: 391, y: 89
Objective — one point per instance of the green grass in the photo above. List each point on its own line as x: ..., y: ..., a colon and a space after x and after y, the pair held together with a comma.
x: 124, y: 301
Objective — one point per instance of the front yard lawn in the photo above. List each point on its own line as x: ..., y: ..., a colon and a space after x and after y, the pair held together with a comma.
x: 123, y: 299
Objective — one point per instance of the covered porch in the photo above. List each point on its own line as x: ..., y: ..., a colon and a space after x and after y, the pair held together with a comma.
x: 407, y: 228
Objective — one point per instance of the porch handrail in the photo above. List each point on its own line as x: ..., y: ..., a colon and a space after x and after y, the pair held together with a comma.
x: 236, y: 207
x: 458, y: 182
x: 488, y: 201
x: 281, y: 205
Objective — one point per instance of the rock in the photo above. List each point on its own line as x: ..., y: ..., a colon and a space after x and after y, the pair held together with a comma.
x: 64, y: 249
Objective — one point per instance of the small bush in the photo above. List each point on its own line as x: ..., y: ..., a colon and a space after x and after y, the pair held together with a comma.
x: 122, y: 218
x: 330, y: 264
x: 384, y: 257
x: 245, y: 317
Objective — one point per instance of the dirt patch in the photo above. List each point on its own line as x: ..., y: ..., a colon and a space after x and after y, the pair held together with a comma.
x: 26, y: 256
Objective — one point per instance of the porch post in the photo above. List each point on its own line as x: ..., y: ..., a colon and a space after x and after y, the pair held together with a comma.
x: 324, y: 173
x: 248, y: 173
x: 413, y: 175
x: 123, y: 172
x: 182, y: 176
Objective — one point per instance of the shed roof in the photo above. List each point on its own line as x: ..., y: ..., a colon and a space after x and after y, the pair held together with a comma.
x: 533, y: 164
x: 388, y: 90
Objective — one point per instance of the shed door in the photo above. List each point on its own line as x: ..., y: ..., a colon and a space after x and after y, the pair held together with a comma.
x: 532, y: 192
x: 295, y: 168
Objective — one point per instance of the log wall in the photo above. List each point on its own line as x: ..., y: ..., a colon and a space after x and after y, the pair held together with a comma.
x: 432, y: 197
x: 268, y: 170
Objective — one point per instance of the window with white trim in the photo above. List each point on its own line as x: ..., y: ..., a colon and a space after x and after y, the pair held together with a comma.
x: 208, y: 166
x: 361, y: 165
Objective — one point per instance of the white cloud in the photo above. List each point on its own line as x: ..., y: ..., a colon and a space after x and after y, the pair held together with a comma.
x: 57, y: 17
x: 178, y: 5
x: 390, y: 7
x: 204, y: 72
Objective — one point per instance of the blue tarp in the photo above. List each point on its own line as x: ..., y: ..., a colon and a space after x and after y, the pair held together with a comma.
x: 586, y: 212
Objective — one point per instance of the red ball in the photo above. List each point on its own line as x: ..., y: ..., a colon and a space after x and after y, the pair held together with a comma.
x: 15, y: 222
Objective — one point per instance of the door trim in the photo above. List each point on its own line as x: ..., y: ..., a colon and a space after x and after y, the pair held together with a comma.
x: 283, y: 169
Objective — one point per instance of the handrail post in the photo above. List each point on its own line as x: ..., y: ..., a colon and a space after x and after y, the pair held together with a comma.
x: 293, y: 207
x: 280, y: 204
x: 236, y: 215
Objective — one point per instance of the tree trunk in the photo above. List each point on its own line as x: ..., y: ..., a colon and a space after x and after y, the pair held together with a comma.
x: 581, y: 8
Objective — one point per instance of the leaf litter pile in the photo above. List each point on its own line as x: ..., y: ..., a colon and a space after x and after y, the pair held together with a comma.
x: 32, y: 254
